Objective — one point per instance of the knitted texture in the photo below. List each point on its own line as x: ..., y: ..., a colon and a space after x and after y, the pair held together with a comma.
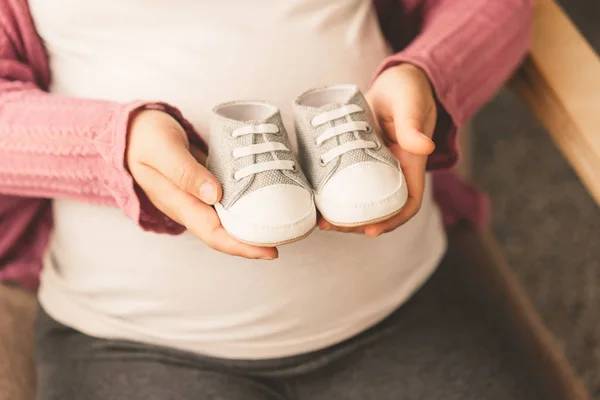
x: 222, y: 164
x: 467, y: 48
x: 53, y: 146
x: 310, y: 152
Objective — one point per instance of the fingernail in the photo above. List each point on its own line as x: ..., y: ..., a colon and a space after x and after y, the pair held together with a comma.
x: 267, y: 258
x: 208, y: 193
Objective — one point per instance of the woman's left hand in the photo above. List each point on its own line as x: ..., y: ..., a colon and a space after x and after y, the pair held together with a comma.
x: 404, y: 106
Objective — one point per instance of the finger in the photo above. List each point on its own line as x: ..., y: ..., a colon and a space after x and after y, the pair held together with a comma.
x: 323, y: 224
x: 178, y: 165
x: 408, y: 132
x: 349, y: 229
x: 413, y: 140
x: 409, y: 210
x: 199, y: 218
x: 413, y: 168
x: 404, y: 125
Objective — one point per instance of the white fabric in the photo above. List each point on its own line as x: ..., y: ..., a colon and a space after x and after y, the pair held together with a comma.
x: 262, y: 216
x: 265, y: 147
x: 344, y: 202
x: 348, y: 127
x: 106, y: 277
x: 341, y: 129
x: 341, y: 112
x: 255, y: 129
x: 259, y: 148
x: 345, y: 148
x: 264, y: 166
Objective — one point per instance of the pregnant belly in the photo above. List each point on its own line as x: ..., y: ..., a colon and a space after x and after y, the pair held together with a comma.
x: 176, y: 291
x: 106, y: 277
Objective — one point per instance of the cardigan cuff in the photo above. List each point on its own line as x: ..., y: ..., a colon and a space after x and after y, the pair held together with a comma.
x: 128, y: 195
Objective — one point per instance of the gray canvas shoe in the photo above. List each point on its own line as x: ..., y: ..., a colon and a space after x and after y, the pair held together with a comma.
x: 356, y: 179
x: 267, y: 200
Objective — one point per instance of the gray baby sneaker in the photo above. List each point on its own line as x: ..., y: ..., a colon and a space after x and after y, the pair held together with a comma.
x: 356, y: 179
x: 267, y: 200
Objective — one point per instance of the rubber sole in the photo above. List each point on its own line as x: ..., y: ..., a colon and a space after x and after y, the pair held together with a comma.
x: 363, y: 223
x: 278, y: 243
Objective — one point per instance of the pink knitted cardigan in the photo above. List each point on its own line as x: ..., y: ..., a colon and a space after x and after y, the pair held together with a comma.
x: 53, y: 146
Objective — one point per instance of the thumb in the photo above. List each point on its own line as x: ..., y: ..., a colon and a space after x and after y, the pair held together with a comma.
x: 410, y: 136
x: 179, y: 166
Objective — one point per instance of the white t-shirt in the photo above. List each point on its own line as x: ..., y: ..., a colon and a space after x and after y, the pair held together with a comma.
x: 107, y: 278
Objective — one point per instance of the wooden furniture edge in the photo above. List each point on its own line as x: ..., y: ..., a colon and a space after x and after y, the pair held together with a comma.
x: 560, y: 82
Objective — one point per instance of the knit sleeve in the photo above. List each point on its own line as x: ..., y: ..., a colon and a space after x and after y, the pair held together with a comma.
x: 468, y: 49
x: 54, y: 146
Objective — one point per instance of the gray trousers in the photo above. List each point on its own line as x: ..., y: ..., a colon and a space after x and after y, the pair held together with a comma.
x: 442, y: 344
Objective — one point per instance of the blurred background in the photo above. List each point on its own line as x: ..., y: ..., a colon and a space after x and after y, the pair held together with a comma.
x: 531, y: 185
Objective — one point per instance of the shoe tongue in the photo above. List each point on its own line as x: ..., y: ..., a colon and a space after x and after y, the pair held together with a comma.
x: 329, y: 107
x: 229, y: 125
x: 269, y: 119
x: 354, y: 97
x: 272, y: 119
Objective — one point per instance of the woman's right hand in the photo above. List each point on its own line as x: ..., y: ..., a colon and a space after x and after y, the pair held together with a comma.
x: 173, y: 176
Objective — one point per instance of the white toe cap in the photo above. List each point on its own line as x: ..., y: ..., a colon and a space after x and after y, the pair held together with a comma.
x: 361, y: 193
x: 365, y: 182
x: 273, y: 214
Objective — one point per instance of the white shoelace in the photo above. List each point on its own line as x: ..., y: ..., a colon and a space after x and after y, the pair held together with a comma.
x: 348, y: 127
x: 260, y: 148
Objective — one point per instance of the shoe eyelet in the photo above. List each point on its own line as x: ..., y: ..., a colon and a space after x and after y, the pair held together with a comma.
x: 323, y: 163
x: 369, y: 129
x: 295, y: 168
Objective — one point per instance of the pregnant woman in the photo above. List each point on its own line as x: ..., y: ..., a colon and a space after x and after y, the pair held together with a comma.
x: 105, y: 109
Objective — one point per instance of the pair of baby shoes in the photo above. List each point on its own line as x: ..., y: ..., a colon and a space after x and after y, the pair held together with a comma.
x: 343, y: 170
